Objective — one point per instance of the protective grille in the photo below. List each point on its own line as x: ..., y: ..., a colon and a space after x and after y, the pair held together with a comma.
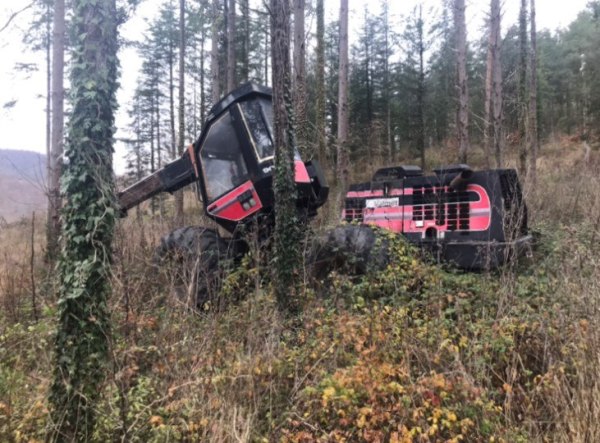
x: 354, y: 209
x: 444, y: 205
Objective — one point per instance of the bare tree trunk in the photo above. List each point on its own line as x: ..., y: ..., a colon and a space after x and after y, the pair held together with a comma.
x: 421, y: 91
x: 320, y: 77
x: 386, y: 86
x: 179, y: 216
x: 533, y: 129
x: 462, y: 121
x: 161, y: 206
x: 48, y: 96
x: 493, y: 90
x: 245, y: 10
x: 171, y: 61
x: 231, y: 62
x: 342, y: 136
x: 523, y: 89
x: 56, y: 150
x: 497, y: 99
x: 489, y: 74
x: 266, y: 55
x: 300, y: 100
x: 214, y: 54
x: 202, y: 89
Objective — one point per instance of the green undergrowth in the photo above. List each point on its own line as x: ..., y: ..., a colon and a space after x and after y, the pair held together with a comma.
x: 410, y: 353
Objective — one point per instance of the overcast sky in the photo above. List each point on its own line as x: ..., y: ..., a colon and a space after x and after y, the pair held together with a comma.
x: 22, y: 126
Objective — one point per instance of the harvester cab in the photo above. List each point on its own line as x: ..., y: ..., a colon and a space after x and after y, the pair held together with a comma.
x: 232, y: 163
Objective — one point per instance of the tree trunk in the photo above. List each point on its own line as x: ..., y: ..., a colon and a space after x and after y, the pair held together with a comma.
x: 493, y: 90
x: 287, y: 232
x: 320, y: 79
x: 214, y: 54
x: 462, y: 121
x: 421, y: 91
x: 533, y: 129
x: 231, y: 62
x: 497, y: 99
x: 342, y: 135
x: 387, y: 92
x: 82, y: 338
x: 179, y: 217
x: 245, y: 50
x: 56, y: 150
x: 487, y: 111
x: 202, y: 89
x: 320, y: 84
x: 523, y: 89
x: 300, y: 100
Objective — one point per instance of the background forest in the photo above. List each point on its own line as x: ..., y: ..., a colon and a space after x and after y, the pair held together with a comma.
x: 416, y: 352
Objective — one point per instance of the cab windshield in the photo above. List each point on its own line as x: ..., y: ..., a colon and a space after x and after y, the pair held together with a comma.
x: 221, y: 158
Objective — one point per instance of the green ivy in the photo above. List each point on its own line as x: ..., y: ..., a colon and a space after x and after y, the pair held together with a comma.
x: 88, y: 222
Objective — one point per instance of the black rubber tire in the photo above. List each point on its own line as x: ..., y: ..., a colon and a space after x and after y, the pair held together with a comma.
x: 350, y: 249
x: 196, y: 257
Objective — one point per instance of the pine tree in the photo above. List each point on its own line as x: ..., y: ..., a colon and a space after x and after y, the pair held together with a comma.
x: 522, y: 103
x: 179, y: 221
x: 462, y: 120
x: 56, y: 149
x: 533, y: 124
x: 320, y: 83
x: 343, y: 120
x: 300, y: 91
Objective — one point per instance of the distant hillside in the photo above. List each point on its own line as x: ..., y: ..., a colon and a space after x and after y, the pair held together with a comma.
x: 22, y: 178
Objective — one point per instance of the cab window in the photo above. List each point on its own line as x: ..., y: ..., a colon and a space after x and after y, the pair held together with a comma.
x: 258, y: 117
x: 221, y: 158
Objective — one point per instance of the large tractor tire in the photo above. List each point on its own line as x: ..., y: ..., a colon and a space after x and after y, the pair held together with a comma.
x: 196, y: 258
x: 350, y: 249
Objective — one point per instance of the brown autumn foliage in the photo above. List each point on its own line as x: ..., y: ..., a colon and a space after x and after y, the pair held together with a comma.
x: 413, y: 353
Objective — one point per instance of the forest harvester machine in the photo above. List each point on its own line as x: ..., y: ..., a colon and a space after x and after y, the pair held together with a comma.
x: 474, y: 220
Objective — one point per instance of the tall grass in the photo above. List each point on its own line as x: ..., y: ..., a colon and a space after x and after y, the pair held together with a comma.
x: 512, y: 355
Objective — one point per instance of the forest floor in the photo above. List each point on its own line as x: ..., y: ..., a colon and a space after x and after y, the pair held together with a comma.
x: 414, y: 353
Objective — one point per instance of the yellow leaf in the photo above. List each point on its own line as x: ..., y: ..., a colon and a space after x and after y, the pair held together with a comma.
x: 156, y: 420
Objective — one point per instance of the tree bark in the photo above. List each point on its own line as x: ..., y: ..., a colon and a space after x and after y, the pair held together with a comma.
x: 214, y: 54
x: 342, y: 135
x: 300, y: 100
x: 523, y: 89
x: 462, y: 121
x: 231, y: 61
x: 320, y: 79
x: 533, y: 126
x: 287, y: 232
x: 245, y: 10
x: 56, y: 150
x: 497, y: 98
x: 421, y: 90
x: 179, y: 216
x: 493, y: 143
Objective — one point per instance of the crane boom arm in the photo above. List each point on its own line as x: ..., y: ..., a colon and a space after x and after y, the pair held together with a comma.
x: 169, y: 178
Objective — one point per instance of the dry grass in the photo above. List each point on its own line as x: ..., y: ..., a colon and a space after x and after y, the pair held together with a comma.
x: 529, y: 370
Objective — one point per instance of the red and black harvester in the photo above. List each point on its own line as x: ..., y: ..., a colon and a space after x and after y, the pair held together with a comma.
x: 472, y: 219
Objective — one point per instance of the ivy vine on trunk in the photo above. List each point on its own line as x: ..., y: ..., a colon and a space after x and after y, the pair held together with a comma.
x: 89, y: 216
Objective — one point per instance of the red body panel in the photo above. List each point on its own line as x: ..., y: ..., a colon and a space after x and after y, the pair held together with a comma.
x: 402, y: 218
x: 229, y: 207
x: 301, y: 174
